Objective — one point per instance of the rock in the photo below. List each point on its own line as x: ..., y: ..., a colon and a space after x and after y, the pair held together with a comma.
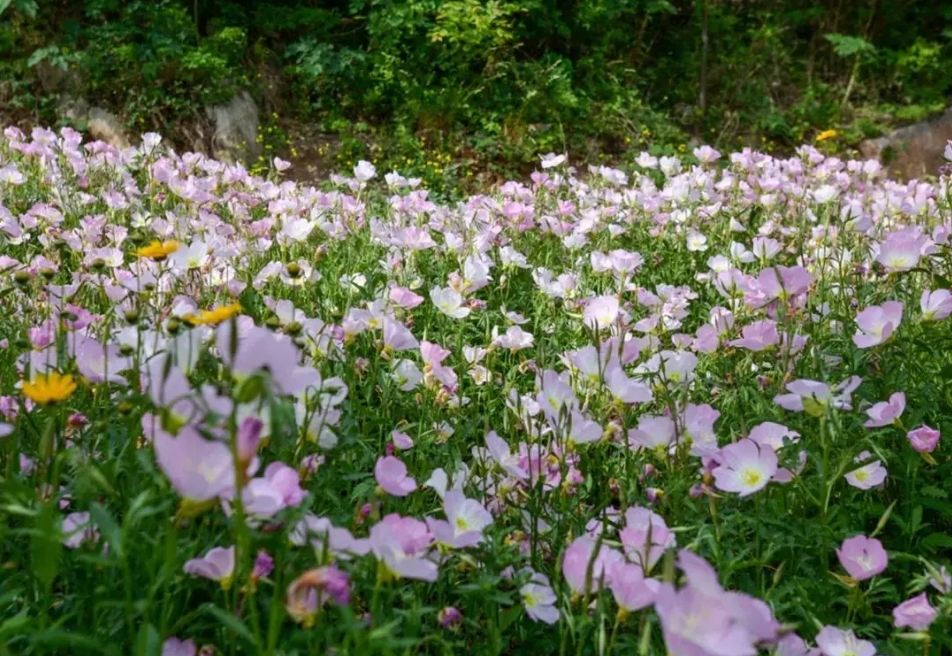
x: 914, y: 151
x: 236, y: 130
x: 105, y: 126
x: 101, y: 124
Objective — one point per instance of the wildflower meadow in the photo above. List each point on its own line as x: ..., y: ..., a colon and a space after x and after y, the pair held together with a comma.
x: 692, y: 408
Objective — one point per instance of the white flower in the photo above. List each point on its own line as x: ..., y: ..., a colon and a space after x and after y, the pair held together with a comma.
x: 552, y: 160
x: 696, y: 241
x: 364, y: 171
x: 514, y: 339
x: 449, y: 302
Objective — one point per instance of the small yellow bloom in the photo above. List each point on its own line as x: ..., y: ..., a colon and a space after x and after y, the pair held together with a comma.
x: 157, y: 250
x: 826, y: 134
x: 213, y: 317
x: 50, y: 388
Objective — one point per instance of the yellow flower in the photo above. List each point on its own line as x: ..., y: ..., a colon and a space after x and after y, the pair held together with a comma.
x: 826, y: 134
x: 213, y: 317
x: 157, y: 250
x: 50, y: 388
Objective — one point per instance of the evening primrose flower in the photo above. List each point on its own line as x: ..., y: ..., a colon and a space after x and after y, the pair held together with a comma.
x: 157, y: 250
x: 601, y: 312
x: 578, y: 559
x: 215, y: 316
x: 877, y: 323
x: 868, y: 476
x: 936, y: 305
x: 449, y: 302
x: 902, y: 249
x: 391, y: 475
x: 837, y: 642
x: 814, y: 397
x: 49, y: 388
x: 217, y: 565
x: 862, y: 557
x: 916, y: 613
x: 645, y: 537
x: 746, y: 467
x: 465, y: 521
x: 77, y: 529
x: 923, y: 439
x: 539, y: 599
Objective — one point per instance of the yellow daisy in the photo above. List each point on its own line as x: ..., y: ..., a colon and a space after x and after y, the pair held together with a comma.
x: 158, y: 250
x: 213, y: 317
x: 50, y: 388
x: 826, y: 134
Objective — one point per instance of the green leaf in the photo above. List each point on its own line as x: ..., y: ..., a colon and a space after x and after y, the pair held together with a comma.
x: 149, y: 643
x: 13, y: 626
x: 230, y: 621
x: 938, y: 541
x: 508, y: 617
x: 109, y: 528
x: 847, y: 46
x: 46, y: 545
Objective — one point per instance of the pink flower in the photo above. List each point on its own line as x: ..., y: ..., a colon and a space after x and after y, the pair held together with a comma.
x: 698, y: 429
x: 216, y: 565
x: 264, y: 565
x: 500, y: 452
x: 391, y: 475
x: 258, y: 350
x: 793, y: 645
x: 869, y: 475
x: 632, y: 591
x: 322, y: 535
x: 308, y: 593
x: 601, y: 312
x: 877, y: 323
x: 401, y: 543
x: 758, y: 336
x: 653, y: 432
x: 885, y: 413
x: 198, y: 469
x: 578, y: 557
x: 176, y: 647
x: 625, y: 389
x: 862, y: 557
x: 706, y: 339
x: 924, y: 439
x: 774, y: 435
x: 404, y: 297
x: 466, y: 520
x: 449, y: 617
x: 901, y: 250
x: 401, y: 440
x: 814, y: 397
x: 100, y: 363
x: 916, y: 613
x: 645, y: 537
x: 745, y: 467
x: 695, y: 624
x: 77, y: 529
x: 836, y: 642
x: 936, y: 305
x: 396, y: 336
x: 514, y: 339
x: 286, y: 482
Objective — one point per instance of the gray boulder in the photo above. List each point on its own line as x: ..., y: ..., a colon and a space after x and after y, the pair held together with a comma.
x: 235, y: 137
x: 914, y: 151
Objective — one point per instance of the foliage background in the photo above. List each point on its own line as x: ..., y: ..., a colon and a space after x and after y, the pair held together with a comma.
x: 446, y: 88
